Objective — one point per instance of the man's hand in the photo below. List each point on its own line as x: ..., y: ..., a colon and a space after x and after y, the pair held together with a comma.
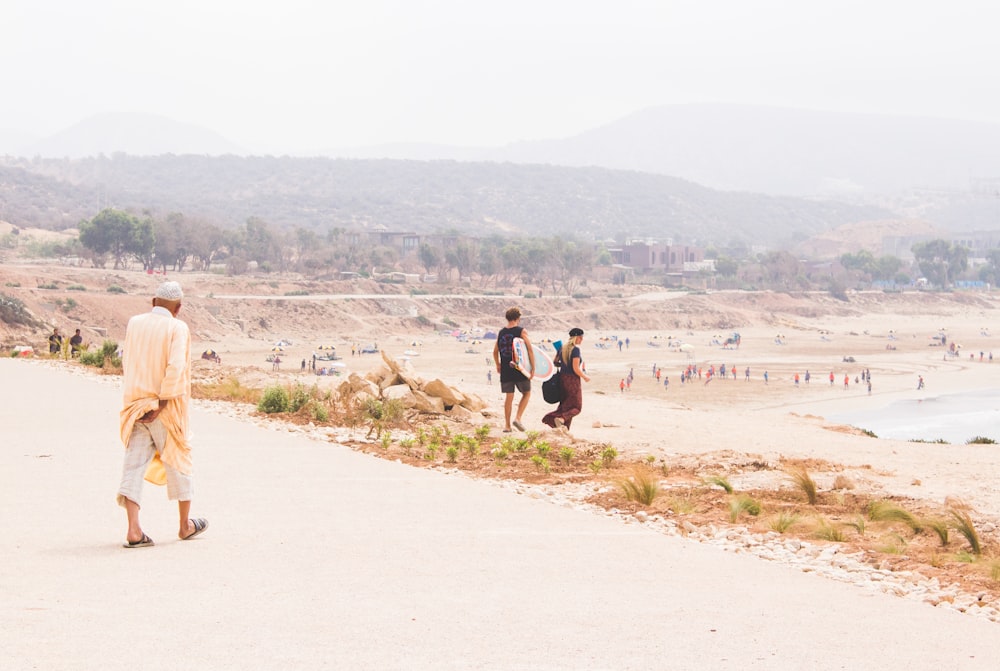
x: 153, y: 414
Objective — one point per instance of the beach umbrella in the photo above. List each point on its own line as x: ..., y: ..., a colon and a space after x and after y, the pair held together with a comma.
x: 324, y: 347
x: 208, y: 352
x: 277, y: 348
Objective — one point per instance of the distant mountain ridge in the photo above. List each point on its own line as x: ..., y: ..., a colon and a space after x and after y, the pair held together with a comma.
x: 130, y: 133
x: 760, y: 149
x: 772, y: 150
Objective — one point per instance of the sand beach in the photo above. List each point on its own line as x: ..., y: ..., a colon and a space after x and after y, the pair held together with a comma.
x: 321, y: 554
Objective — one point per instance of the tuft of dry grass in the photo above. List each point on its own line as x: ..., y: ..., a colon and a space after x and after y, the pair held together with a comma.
x: 886, y: 511
x: 964, y: 526
x: 230, y: 389
x: 803, y: 481
x: 940, y: 527
x: 783, y: 522
x: 720, y: 481
x: 740, y: 504
x: 843, y: 482
x: 829, y: 532
x: 640, y: 487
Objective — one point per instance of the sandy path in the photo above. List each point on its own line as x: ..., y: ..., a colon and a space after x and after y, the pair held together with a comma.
x: 320, y: 557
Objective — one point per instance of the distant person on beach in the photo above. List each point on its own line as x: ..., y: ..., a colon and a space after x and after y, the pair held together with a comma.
x: 55, y: 342
x: 510, y: 377
x: 765, y: 377
x: 75, y: 344
x: 570, y: 363
x: 920, y: 382
x: 831, y: 378
x: 156, y: 385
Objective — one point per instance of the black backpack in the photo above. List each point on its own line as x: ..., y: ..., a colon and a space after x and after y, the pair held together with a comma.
x: 552, y: 390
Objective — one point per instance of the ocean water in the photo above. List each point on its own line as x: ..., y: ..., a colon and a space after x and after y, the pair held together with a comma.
x: 954, y: 418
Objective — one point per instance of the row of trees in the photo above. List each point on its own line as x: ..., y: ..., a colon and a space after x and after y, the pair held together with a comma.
x: 175, y: 242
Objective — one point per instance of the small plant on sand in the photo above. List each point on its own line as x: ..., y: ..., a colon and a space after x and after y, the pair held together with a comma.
x: 595, y: 466
x: 432, y: 449
x: 608, y: 455
x: 783, y: 521
x: 664, y: 469
x: 566, y: 455
x: 381, y: 413
x: 894, y: 545
x: 742, y: 503
x: 640, y: 487
x: 471, y: 446
x: 980, y: 440
x: 940, y: 527
x: 963, y: 525
x: 499, y: 454
x: 803, y: 481
x: 274, y: 399
x: 886, y: 511
x: 720, y: 481
x: 421, y: 437
x: 543, y: 448
x: 407, y: 445
x: 318, y: 411
x: 541, y: 463
x: 650, y: 459
x: 298, y: 397
x: 681, y: 504
x: 483, y: 432
x: 828, y: 532
x: 451, y: 454
x: 858, y: 524
x: 995, y: 571
x: 386, y: 440
x: 870, y: 434
x: 509, y: 444
x: 532, y: 437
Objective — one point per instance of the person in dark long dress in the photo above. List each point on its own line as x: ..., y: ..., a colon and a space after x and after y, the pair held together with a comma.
x: 572, y: 374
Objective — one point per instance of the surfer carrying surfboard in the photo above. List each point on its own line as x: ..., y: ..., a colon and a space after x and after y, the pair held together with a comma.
x: 512, y: 378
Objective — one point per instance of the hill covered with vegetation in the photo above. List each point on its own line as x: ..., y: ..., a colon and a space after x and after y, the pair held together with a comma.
x: 322, y: 194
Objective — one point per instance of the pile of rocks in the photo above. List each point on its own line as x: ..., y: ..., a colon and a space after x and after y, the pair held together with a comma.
x: 392, y: 380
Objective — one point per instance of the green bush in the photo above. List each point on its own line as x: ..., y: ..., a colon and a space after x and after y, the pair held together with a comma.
x: 107, y: 352
x: 76, y: 287
x: 115, y: 289
x: 274, y: 399
x: 299, y: 398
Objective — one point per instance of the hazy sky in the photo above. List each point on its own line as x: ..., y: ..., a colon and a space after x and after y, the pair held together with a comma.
x: 299, y: 75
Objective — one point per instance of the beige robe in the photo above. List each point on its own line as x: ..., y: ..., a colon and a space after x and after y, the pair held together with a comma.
x: 156, y: 359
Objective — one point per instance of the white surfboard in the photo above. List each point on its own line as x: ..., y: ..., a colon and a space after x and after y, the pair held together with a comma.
x: 543, y: 364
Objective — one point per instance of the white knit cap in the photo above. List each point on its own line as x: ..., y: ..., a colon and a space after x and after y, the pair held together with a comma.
x: 170, y: 291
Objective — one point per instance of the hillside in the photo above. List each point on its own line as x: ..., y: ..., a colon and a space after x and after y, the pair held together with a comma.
x: 423, y: 197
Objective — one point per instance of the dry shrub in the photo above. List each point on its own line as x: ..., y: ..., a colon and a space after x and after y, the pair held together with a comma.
x: 843, y: 482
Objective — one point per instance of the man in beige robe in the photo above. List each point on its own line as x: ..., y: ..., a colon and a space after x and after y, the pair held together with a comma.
x: 156, y: 385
